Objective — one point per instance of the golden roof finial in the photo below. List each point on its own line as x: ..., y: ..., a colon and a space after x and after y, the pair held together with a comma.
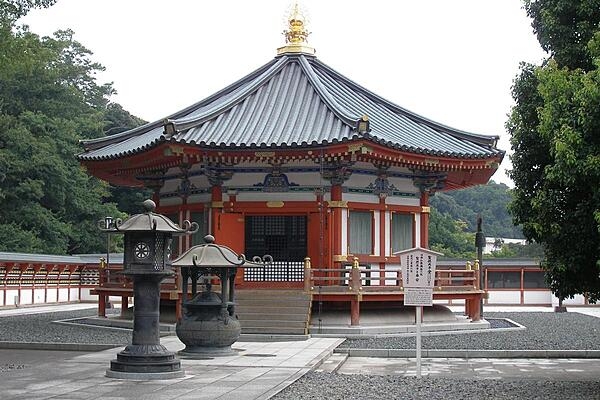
x: 296, y: 34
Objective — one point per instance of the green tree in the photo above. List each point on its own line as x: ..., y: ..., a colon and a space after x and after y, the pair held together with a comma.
x: 555, y: 127
x: 49, y: 100
x: 490, y: 201
x: 450, y: 236
x: 11, y: 10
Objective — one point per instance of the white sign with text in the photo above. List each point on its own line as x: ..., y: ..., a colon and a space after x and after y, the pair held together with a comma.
x: 418, y: 296
x: 418, y: 267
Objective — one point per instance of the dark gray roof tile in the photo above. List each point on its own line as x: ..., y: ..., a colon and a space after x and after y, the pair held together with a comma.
x: 295, y: 100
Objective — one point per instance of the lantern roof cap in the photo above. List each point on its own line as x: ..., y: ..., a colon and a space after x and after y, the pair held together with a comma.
x: 151, y: 221
x: 212, y: 255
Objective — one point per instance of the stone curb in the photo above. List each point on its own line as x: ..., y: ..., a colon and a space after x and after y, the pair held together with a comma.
x: 58, y: 346
x: 450, y: 353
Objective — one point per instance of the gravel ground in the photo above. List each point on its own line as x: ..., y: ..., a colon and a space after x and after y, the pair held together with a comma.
x: 39, y: 328
x: 315, y: 385
x: 559, y: 331
x: 545, y: 331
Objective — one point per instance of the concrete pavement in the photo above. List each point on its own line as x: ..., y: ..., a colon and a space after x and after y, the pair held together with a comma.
x: 257, y: 371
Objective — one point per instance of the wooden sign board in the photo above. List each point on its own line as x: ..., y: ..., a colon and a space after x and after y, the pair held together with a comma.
x: 418, y: 267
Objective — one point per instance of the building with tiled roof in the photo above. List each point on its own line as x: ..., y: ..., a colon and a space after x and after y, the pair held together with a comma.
x: 296, y: 160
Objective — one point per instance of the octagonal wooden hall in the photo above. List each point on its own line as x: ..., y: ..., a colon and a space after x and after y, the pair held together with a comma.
x: 295, y: 160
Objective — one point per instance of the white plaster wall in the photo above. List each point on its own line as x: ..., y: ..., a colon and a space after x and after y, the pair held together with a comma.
x: 245, y: 179
x: 74, y: 294
x: 284, y: 196
x: 306, y: 179
x: 51, y: 296
x: 418, y: 229
x: 403, y: 184
x: 38, y: 296
x: 361, y: 198
x: 360, y: 180
x: 26, y: 297
x: 10, y: 296
x: 63, y: 294
x: 537, y: 297
x: 377, y: 238
x: 388, y: 233
x: 504, y: 297
x: 86, y: 296
x: 403, y: 201
x: 344, y: 231
x: 575, y: 301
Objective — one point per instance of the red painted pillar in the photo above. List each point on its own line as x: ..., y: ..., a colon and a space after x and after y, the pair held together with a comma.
x: 336, y: 196
x: 425, y: 219
x: 124, y: 304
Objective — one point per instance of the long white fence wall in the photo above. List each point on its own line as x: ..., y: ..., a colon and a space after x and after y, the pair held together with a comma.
x: 32, y: 279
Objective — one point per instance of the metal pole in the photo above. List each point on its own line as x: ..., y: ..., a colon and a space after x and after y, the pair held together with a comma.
x: 480, y: 244
x: 419, y: 311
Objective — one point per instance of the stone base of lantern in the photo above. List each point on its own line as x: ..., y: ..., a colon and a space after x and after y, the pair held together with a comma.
x: 145, y: 362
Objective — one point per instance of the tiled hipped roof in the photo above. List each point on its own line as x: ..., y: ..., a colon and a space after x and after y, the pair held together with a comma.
x: 295, y: 101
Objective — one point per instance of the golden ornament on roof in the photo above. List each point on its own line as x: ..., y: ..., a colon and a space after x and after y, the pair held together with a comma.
x: 296, y: 34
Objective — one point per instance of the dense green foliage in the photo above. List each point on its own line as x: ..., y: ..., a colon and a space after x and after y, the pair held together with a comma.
x: 555, y: 128
x: 450, y: 236
x: 490, y: 201
x: 49, y: 100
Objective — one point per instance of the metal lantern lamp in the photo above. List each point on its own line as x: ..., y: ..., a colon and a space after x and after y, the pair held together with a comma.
x: 209, y: 325
x: 147, y: 260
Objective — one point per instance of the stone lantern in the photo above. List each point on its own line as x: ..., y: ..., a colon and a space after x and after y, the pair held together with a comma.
x: 209, y: 325
x: 147, y: 260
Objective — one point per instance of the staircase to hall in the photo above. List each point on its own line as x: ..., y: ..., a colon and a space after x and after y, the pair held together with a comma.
x: 273, y: 311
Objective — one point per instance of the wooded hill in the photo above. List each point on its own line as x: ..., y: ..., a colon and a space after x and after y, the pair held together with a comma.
x: 490, y: 201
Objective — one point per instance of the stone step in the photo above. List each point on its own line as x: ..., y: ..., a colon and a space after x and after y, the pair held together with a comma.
x: 273, y: 331
x: 332, y: 363
x: 271, y: 294
x: 275, y: 323
x: 272, y: 303
x: 273, y: 311
x: 270, y: 309
x: 281, y: 315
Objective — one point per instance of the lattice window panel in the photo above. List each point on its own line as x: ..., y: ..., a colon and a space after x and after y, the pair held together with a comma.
x: 278, y: 271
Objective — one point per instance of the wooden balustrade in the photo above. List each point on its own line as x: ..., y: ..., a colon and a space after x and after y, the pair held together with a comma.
x: 365, y: 279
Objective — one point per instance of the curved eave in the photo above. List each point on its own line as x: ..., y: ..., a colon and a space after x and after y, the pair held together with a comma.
x: 93, y: 144
x: 489, y: 140
x: 491, y: 153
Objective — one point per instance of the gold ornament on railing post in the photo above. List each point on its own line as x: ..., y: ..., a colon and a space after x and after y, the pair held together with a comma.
x: 477, y: 274
x: 468, y: 266
x: 307, y: 275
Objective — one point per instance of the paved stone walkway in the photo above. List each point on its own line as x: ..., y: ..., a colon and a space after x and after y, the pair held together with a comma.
x: 259, y: 370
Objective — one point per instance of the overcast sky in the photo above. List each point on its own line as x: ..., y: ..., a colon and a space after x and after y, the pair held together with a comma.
x: 450, y: 61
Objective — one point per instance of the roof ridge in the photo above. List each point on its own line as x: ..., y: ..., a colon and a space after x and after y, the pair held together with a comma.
x: 340, y: 111
x: 183, y: 124
x: 92, y: 144
x: 460, y: 134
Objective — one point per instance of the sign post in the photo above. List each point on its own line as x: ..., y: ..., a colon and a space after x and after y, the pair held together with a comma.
x: 418, y: 278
